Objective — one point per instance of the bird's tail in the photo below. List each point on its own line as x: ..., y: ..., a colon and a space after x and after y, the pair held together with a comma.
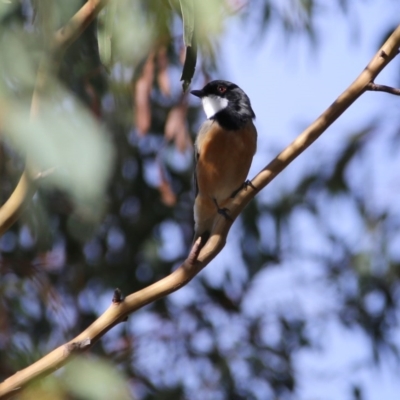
x: 203, y: 230
x: 204, y: 217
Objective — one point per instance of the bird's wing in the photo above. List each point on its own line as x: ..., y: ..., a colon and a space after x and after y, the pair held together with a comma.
x: 196, y: 157
x: 197, y: 150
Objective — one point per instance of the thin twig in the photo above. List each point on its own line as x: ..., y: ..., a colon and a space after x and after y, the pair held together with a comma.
x: 199, y: 256
x: 45, y: 173
x: 16, y: 203
x: 383, y: 88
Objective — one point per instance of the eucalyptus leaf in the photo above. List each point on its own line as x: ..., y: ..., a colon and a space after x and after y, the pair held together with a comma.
x: 133, y: 35
x: 95, y: 379
x: 17, y: 62
x: 105, y: 33
x: 187, y: 8
x: 6, y: 7
x: 66, y: 139
x: 189, y: 66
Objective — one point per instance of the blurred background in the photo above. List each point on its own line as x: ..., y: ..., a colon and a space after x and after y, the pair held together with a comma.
x: 303, y: 301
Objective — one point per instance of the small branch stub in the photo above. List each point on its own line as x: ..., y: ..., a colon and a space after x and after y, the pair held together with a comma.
x: 77, y: 347
x: 117, y: 297
x: 383, y: 88
x: 44, y: 174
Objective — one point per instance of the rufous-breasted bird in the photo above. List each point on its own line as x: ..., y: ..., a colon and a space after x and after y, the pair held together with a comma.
x: 224, y: 150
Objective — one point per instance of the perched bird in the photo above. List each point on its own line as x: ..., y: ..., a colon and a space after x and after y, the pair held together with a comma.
x: 224, y: 150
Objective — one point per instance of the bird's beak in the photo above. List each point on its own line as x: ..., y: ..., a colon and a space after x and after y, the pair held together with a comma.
x: 197, y: 93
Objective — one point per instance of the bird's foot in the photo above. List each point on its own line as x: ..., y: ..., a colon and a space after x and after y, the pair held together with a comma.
x: 244, y: 186
x: 247, y: 183
x: 223, y: 211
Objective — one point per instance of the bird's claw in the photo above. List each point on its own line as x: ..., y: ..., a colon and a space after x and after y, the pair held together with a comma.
x: 224, y: 213
x: 244, y: 186
x: 248, y: 183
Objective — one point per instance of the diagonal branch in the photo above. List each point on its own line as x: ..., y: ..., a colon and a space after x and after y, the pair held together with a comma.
x: 25, y: 189
x: 65, y: 36
x: 200, y: 257
x: 382, y: 58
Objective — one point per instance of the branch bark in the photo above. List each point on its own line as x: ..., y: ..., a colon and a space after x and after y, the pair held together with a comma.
x: 15, y: 205
x: 374, y: 87
x: 199, y: 258
x: 25, y: 189
x: 65, y: 36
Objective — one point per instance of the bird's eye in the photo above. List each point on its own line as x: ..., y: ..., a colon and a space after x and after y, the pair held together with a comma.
x: 221, y: 89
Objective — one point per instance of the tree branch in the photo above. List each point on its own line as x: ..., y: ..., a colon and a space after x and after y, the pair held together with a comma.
x: 383, y: 88
x: 382, y: 58
x: 25, y: 189
x: 65, y: 36
x: 200, y: 257
x: 14, y: 206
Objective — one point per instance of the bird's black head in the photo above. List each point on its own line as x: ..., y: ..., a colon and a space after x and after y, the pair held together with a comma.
x: 225, y: 102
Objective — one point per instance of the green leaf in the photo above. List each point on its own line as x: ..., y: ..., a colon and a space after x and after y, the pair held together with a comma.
x: 189, y: 66
x: 187, y: 8
x: 67, y: 141
x: 134, y: 33
x: 338, y: 182
x: 6, y: 7
x: 105, y: 30
x: 93, y: 378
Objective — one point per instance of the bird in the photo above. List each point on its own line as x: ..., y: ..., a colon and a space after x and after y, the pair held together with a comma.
x: 224, y: 150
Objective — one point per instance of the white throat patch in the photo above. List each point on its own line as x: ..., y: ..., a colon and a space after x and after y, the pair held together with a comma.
x: 213, y: 104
